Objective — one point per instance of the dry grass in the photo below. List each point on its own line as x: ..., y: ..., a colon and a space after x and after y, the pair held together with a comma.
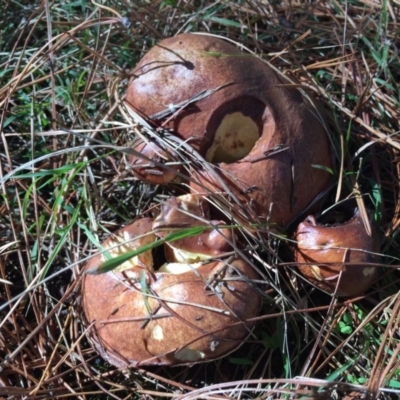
x: 64, y: 67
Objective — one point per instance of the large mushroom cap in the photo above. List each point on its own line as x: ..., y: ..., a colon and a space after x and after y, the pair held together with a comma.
x: 327, y: 253
x: 180, y: 315
x: 269, y: 146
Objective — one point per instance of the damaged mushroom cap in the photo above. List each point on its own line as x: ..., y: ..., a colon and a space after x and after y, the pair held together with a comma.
x: 192, y: 211
x: 327, y: 253
x: 147, y: 317
x: 270, y: 149
x: 147, y: 166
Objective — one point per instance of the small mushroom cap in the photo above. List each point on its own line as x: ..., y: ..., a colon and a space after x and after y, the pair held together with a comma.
x: 263, y: 136
x: 148, y: 168
x: 191, y: 211
x: 173, y: 317
x: 182, y: 212
x: 328, y: 250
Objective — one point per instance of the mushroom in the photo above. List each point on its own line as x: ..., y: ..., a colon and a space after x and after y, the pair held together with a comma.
x: 147, y: 167
x: 186, y: 211
x: 337, y: 258
x: 270, y: 151
x: 145, y: 315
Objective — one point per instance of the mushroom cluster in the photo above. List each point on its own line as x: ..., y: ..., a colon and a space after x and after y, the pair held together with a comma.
x: 191, y: 304
x: 257, y: 143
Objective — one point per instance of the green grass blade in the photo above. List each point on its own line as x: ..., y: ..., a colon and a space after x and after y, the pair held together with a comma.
x: 115, y: 262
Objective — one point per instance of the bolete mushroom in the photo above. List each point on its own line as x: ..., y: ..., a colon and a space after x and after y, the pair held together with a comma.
x: 146, y: 315
x: 147, y: 167
x: 186, y: 211
x: 337, y: 258
x: 270, y: 150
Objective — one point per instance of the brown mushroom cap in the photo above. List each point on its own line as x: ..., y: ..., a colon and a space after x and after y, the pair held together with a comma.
x: 148, y: 169
x: 167, y: 318
x: 330, y: 250
x: 262, y: 134
x: 189, y: 211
